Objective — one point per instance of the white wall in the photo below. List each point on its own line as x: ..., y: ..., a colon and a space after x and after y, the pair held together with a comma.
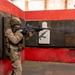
x: 36, y: 5
x: 55, y: 4
x: 71, y: 4
x: 33, y: 5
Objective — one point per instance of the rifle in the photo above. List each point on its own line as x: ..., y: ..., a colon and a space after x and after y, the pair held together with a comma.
x: 42, y: 35
x: 29, y: 28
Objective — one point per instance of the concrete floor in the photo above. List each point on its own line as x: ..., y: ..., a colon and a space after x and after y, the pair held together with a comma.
x: 48, y: 68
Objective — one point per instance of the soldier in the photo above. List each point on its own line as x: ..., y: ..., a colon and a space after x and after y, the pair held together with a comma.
x: 14, y: 45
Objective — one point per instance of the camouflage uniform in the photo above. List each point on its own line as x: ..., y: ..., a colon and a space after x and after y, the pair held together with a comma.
x: 14, y: 54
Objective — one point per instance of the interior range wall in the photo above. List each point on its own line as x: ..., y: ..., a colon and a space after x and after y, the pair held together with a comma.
x: 9, y: 8
x: 71, y: 4
x: 36, y: 5
x: 62, y: 34
x: 40, y: 54
x: 30, y: 5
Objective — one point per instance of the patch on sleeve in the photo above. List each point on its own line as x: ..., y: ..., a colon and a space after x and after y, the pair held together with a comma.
x: 11, y: 34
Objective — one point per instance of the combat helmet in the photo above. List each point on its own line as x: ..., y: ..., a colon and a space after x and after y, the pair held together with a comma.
x: 14, y: 21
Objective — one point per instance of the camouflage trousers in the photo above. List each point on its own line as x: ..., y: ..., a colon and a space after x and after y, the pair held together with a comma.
x: 17, y: 67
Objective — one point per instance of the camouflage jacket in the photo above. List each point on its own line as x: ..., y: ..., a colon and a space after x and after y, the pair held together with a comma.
x: 14, y: 38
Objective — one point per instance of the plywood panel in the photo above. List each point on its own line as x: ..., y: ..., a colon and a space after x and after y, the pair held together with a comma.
x: 61, y: 34
x: 1, y: 37
x: 57, y: 34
